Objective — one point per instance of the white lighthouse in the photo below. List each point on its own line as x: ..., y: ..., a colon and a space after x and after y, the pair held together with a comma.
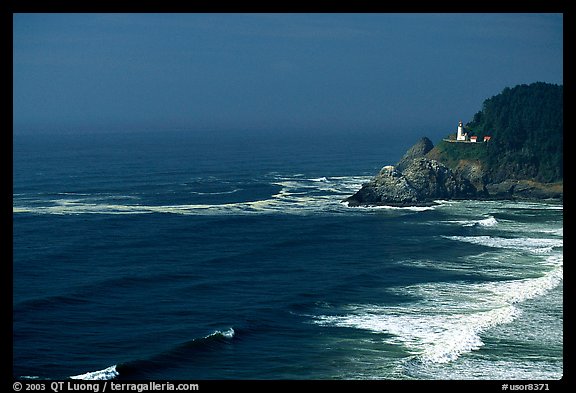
x: 461, y: 136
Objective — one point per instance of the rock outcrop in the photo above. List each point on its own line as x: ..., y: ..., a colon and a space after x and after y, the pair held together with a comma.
x: 421, y: 181
x: 420, y: 149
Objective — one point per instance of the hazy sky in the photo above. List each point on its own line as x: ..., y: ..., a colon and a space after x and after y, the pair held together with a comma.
x: 278, y: 71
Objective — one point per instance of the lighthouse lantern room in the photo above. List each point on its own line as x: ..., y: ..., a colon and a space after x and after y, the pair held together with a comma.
x: 461, y: 136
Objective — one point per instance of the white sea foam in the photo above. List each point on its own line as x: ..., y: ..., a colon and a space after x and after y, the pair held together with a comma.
x: 100, y: 375
x: 23, y: 210
x: 296, y: 196
x: 534, y: 245
x: 410, y: 208
x: 488, y: 222
x: 216, y: 193
x: 449, y: 318
x: 393, y: 208
x: 484, y: 369
x: 518, y: 205
x: 437, y: 338
x: 555, y: 231
x: 516, y: 291
x: 229, y: 333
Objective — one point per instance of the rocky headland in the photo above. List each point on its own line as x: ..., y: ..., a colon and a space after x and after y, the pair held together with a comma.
x: 512, y: 149
x: 419, y: 180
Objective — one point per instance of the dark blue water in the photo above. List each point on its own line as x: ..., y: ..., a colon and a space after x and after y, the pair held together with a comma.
x: 231, y: 256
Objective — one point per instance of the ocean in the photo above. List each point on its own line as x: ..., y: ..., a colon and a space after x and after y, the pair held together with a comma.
x: 231, y: 256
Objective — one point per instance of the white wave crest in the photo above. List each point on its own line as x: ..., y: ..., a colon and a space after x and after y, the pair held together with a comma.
x: 556, y: 231
x: 100, y: 375
x: 449, y: 318
x: 534, y: 245
x: 516, y: 291
x: 434, y: 338
x: 229, y: 333
x: 488, y: 222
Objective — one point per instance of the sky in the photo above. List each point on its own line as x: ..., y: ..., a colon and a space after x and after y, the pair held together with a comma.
x: 343, y: 72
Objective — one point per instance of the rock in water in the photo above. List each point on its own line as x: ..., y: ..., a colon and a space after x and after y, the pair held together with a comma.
x: 434, y: 180
x: 418, y: 181
x: 389, y: 187
x: 420, y: 149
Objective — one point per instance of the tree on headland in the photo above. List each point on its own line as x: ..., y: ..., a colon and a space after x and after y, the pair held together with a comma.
x: 526, y: 126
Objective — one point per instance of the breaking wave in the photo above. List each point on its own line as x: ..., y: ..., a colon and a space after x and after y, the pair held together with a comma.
x: 140, y: 368
x: 100, y: 375
x: 450, y: 317
x: 487, y: 222
x: 534, y: 245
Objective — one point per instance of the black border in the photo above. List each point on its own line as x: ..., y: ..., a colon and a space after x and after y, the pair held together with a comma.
x: 168, y: 6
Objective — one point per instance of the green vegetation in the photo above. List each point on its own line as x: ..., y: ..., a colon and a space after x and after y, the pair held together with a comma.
x: 526, y: 126
x: 451, y: 153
